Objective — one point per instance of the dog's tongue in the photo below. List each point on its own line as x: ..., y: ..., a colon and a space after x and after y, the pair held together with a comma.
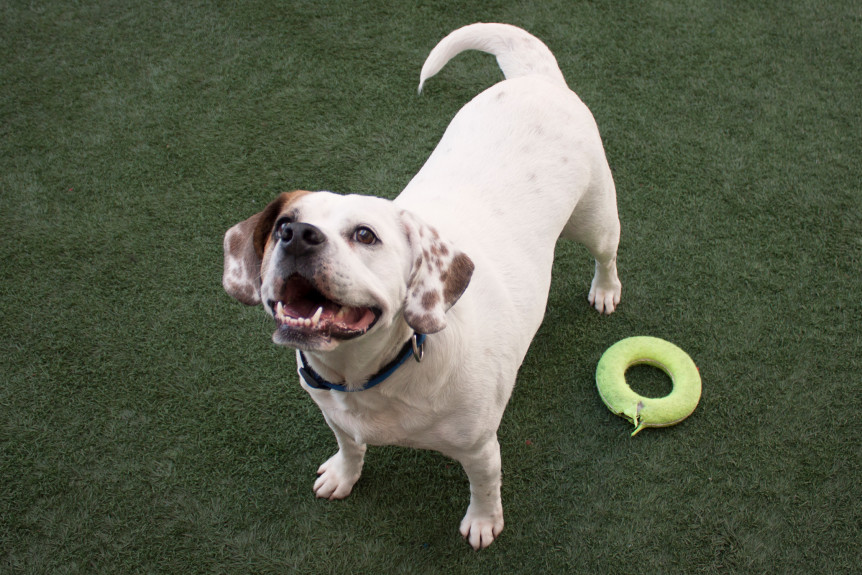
x: 353, y: 318
x: 305, y: 308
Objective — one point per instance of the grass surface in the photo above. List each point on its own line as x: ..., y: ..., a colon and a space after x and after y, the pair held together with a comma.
x: 147, y: 424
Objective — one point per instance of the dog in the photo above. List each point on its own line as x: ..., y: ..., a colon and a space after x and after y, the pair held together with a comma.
x: 454, y: 273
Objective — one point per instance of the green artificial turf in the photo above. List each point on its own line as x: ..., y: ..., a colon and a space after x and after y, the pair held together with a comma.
x: 148, y: 425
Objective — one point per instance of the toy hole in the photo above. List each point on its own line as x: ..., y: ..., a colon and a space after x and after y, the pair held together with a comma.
x: 649, y: 381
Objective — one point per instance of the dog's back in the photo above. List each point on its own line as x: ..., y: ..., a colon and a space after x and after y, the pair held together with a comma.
x: 518, y: 166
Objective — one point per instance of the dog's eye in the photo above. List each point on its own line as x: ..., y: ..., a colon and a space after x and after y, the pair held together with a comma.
x: 364, y: 235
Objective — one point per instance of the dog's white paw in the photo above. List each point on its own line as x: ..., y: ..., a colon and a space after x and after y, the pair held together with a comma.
x: 480, y: 529
x: 337, y: 477
x: 605, y: 293
x: 604, y: 300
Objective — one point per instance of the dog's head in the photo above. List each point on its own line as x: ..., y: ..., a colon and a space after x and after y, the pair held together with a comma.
x: 332, y: 268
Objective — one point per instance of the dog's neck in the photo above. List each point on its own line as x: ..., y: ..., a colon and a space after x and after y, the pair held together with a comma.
x: 354, y: 362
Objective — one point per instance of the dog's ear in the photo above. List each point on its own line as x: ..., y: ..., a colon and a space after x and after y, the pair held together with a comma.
x: 244, y: 245
x: 439, y: 276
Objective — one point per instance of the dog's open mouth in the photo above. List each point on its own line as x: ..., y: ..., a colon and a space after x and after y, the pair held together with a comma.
x: 305, y: 315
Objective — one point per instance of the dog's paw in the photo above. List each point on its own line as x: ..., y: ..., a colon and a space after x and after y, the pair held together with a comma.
x: 605, y: 296
x: 336, y: 477
x: 479, y: 529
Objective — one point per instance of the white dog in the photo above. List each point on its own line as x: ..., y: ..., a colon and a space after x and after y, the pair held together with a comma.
x: 354, y: 283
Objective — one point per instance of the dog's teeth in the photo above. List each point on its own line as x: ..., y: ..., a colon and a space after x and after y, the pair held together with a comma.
x: 282, y: 315
x: 340, y: 315
x: 315, y: 319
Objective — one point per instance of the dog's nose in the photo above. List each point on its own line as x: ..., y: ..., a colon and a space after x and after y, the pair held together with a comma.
x: 298, y: 238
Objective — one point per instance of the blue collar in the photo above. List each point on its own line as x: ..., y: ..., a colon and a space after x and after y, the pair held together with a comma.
x: 414, y: 347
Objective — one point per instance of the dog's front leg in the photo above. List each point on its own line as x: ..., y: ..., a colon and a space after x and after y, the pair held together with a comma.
x: 340, y: 472
x: 484, y: 518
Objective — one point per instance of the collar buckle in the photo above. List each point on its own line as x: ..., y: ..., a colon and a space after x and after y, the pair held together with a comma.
x: 418, y: 347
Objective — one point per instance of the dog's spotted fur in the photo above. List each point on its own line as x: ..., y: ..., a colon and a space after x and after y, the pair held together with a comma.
x: 440, y: 275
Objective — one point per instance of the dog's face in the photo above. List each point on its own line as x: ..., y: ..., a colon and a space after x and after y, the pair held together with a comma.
x: 332, y: 268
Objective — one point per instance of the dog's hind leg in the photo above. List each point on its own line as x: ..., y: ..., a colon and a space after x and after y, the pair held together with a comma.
x: 595, y: 224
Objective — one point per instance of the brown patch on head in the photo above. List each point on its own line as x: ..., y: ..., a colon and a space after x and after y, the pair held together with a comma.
x: 244, y: 246
x: 268, y: 217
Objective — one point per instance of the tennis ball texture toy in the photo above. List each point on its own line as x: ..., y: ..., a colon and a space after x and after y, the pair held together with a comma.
x: 647, y: 411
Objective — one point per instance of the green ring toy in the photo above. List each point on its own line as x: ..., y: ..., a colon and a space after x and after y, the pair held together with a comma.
x: 647, y: 411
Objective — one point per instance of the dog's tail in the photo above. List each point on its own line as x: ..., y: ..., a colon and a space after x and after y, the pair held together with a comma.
x: 518, y: 52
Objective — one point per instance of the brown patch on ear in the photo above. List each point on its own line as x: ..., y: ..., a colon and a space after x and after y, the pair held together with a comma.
x: 425, y: 323
x: 241, y: 277
x: 244, y: 245
x: 439, y: 276
x: 430, y: 299
x: 457, y: 277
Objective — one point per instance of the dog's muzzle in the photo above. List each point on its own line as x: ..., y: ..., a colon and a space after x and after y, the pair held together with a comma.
x: 306, y: 315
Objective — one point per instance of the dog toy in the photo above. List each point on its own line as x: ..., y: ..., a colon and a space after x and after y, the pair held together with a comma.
x: 645, y: 411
